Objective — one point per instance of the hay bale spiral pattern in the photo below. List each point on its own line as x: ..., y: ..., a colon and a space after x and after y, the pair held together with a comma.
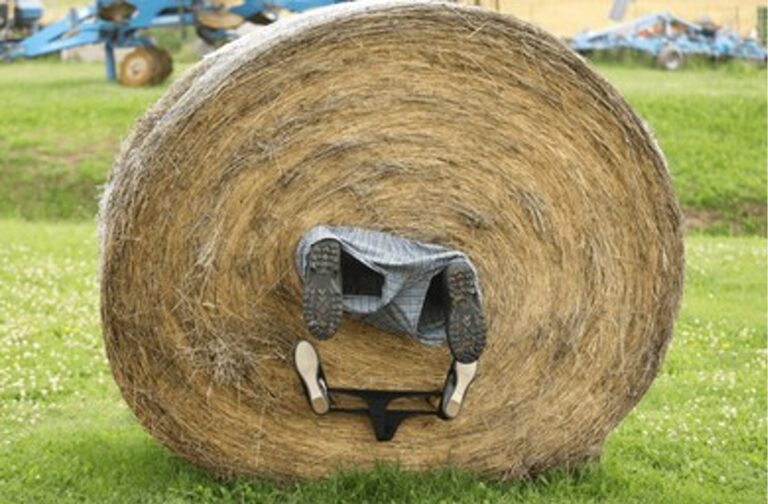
x: 439, y: 122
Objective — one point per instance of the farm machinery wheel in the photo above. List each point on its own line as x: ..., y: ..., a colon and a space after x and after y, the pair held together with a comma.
x: 145, y: 66
x: 116, y: 12
x: 140, y: 67
x: 165, y: 60
x: 670, y: 58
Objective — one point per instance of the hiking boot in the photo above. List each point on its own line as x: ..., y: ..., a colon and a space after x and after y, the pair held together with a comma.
x: 465, y: 324
x: 322, y: 289
x: 308, y: 366
x: 456, y: 386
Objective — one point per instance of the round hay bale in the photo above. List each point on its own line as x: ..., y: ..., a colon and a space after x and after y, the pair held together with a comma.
x: 438, y: 122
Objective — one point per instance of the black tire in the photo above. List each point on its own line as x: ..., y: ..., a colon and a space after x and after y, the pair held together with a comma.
x: 208, y: 35
x: 3, y: 15
x: 670, y: 58
x: 262, y: 19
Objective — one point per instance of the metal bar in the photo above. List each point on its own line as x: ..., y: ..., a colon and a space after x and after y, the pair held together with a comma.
x: 109, y: 60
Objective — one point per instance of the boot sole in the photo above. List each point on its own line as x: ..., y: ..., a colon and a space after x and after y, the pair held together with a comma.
x: 466, y: 324
x: 463, y: 374
x: 308, y: 367
x: 322, y: 289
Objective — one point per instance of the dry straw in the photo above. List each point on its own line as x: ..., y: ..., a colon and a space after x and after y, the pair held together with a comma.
x: 439, y: 122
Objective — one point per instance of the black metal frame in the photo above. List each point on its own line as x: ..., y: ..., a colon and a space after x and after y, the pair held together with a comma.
x: 384, y: 421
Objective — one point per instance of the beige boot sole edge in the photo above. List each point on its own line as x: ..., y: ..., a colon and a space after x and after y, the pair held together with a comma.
x: 465, y: 374
x: 308, y: 366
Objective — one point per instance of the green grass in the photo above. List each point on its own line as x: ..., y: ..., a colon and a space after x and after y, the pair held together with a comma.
x: 711, y: 124
x: 66, y: 435
x: 62, y: 124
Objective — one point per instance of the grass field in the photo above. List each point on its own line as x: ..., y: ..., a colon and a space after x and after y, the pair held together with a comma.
x: 67, y: 436
x: 62, y: 124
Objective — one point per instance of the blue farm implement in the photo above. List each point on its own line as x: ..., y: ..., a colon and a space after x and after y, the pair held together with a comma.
x: 121, y: 23
x: 670, y: 40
